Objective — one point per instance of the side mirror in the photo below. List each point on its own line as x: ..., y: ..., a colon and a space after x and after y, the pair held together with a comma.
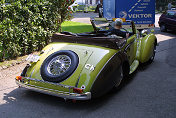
x: 152, y: 31
x: 144, y: 32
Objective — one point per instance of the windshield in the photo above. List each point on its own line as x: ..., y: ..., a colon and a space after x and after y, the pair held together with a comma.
x: 104, y: 24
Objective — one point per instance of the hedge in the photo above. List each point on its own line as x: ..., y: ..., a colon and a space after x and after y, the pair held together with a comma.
x: 27, y: 25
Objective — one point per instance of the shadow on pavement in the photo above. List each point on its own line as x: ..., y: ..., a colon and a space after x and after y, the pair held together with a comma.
x: 24, y: 103
x: 168, y: 33
x: 27, y: 102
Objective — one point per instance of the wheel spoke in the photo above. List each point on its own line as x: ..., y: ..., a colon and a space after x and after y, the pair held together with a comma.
x: 59, y: 65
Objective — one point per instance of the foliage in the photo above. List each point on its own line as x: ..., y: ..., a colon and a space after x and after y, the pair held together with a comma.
x: 76, y: 27
x: 26, y: 25
x: 82, y: 8
x: 163, y: 4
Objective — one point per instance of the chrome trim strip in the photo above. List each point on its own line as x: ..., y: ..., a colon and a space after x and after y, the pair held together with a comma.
x: 33, y: 71
x: 128, y: 46
x: 42, y: 81
x: 77, y: 82
x: 83, y: 67
x: 62, y: 94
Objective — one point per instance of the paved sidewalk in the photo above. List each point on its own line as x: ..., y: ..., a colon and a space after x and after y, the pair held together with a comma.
x: 83, y: 17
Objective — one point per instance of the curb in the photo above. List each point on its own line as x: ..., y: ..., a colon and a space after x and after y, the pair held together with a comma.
x: 12, y: 64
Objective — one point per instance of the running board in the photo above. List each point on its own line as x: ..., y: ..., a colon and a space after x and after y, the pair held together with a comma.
x: 134, y: 66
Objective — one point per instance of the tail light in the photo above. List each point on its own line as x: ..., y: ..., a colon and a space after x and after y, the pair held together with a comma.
x: 18, y: 78
x: 77, y: 90
x: 151, y: 25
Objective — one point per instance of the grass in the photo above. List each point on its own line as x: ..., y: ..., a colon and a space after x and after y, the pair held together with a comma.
x: 76, y: 27
x: 18, y: 60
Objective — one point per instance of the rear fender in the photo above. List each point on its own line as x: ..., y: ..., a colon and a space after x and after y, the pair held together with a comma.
x: 93, y: 68
x: 105, y: 75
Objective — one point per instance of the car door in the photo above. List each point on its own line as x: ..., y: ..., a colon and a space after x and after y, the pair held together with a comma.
x: 174, y: 22
x: 130, y: 48
x: 171, y: 20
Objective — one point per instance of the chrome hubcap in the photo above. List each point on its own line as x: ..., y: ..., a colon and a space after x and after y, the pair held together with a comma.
x: 59, y: 65
x: 153, y: 55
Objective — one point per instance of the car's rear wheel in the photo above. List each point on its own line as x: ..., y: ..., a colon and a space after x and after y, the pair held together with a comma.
x: 59, y: 66
x: 120, y: 78
x: 124, y: 75
x: 163, y: 28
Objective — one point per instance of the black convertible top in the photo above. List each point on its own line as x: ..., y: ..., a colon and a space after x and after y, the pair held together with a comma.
x: 107, y: 42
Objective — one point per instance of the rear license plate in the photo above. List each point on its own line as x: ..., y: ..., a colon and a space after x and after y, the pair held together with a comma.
x: 33, y: 58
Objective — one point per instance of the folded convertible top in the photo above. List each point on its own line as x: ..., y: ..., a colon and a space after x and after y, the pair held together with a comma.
x: 107, y: 42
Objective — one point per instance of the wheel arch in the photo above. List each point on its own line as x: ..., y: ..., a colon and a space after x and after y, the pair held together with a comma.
x: 125, y: 64
x: 126, y: 68
x: 161, y: 23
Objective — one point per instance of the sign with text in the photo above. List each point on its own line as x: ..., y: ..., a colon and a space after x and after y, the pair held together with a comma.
x: 140, y: 11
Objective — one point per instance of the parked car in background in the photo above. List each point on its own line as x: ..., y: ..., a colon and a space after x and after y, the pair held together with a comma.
x: 167, y: 21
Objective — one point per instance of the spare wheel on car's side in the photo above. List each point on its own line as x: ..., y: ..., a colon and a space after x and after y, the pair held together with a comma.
x: 59, y: 66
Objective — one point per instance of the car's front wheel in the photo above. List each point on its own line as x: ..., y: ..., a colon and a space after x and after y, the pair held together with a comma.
x: 153, y: 55
x: 59, y: 66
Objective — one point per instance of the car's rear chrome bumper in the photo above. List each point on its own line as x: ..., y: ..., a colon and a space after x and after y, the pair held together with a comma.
x: 54, y: 92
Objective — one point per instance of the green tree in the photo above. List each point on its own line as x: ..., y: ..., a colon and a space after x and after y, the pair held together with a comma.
x: 27, y: 25
x: 163, y: 4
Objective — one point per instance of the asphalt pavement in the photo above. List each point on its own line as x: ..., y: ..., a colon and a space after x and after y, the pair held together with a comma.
x: 149, y: 93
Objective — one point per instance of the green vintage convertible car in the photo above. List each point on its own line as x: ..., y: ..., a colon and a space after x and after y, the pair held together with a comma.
x: 87, y: 65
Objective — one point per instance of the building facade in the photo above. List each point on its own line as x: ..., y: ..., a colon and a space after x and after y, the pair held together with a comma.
x: 94, y: 2
x: 89, y: 2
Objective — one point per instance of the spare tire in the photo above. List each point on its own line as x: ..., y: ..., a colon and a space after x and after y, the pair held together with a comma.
x: 59, y: 66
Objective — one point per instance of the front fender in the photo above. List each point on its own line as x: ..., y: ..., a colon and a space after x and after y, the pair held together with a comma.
x: 147, y: 45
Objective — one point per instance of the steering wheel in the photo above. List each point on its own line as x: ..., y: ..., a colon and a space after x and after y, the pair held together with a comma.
x: 130, y: 33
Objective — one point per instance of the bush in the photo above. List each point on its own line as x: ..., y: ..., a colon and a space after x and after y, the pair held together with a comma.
x: 81, y: 7
x: 89, y: 8
x: 26, y: 25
